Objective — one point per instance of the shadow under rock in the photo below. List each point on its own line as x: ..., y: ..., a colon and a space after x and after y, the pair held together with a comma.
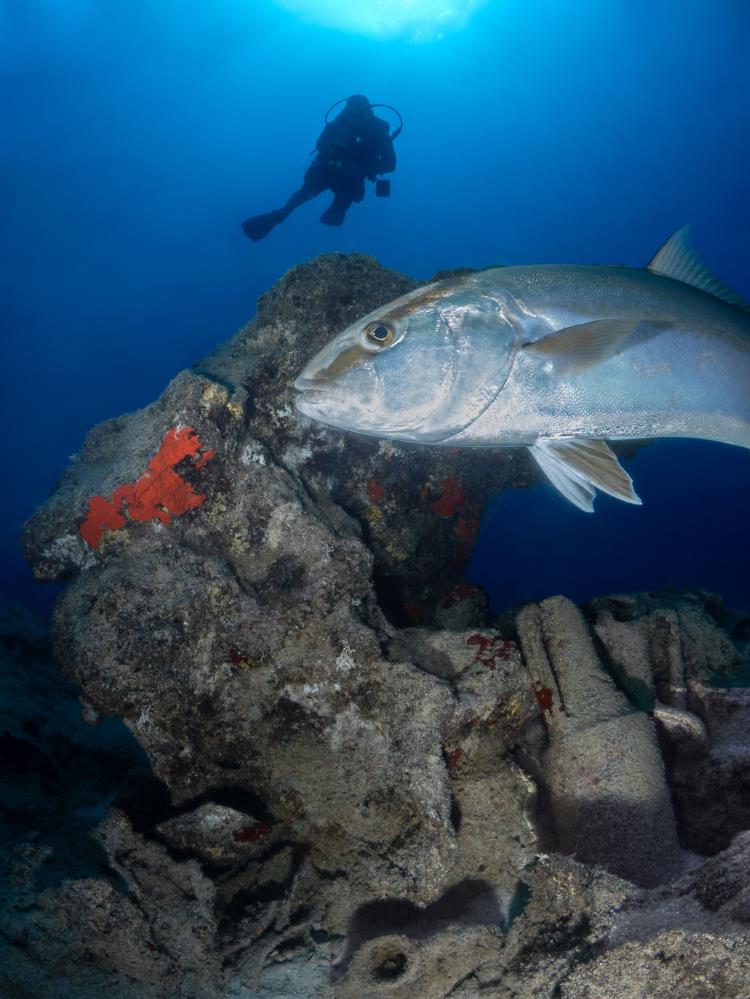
x: 472, y: 902
x: 58, y: 774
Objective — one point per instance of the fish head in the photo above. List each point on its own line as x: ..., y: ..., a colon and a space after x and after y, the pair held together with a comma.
x: 419, y: 369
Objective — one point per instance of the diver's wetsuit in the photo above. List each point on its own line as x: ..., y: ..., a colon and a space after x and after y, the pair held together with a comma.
x: 353, y: 147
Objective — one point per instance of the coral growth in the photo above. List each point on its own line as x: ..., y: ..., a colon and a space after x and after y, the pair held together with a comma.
x: 159, y: 494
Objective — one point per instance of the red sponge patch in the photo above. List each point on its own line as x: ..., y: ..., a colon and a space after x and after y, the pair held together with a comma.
x: 159, y: 494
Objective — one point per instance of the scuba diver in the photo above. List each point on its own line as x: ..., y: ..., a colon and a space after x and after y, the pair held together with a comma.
x: 354, y: 147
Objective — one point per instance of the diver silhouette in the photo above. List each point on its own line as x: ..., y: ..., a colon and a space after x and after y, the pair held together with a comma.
x: 354, y: 147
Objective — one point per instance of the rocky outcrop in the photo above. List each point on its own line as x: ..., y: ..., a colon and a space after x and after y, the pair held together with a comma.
x: 358, y: 783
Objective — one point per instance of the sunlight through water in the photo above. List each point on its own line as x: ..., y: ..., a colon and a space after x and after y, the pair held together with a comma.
x: 421, y: 20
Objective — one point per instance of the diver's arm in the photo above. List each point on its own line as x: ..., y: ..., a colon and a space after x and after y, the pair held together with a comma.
x: 328, y: 140
x: 386, y: 156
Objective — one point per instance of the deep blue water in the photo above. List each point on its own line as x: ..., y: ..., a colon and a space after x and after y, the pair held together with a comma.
x: 136, y: 137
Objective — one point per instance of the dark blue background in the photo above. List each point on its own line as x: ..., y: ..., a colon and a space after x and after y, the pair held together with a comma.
x: 136, y: 137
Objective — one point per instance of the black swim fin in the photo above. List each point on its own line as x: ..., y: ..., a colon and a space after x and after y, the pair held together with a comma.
x: 259, y: 226
x: 333, y: 215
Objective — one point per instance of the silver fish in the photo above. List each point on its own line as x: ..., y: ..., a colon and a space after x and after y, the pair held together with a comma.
x: 556, y: 358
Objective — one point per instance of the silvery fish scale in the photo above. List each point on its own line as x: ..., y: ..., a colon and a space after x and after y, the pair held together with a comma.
x: 557, y: 358
x: 685, y: 371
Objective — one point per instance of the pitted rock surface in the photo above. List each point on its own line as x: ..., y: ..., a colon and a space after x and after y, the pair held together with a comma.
x: 361, y: 785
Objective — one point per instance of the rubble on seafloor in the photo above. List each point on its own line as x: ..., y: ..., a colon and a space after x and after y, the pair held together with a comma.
x: 335, y: 774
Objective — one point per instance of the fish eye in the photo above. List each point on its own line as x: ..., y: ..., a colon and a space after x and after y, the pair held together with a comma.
x: 380, y: 333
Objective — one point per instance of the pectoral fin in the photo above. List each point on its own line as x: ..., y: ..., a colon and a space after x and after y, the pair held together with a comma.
x: 579, y: 467
x: 576, y: 348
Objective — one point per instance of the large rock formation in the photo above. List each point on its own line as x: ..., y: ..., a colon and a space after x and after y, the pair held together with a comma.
x: 360, y: 784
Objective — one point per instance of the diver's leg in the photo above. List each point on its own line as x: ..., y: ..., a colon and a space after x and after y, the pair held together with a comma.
x: 336, y: 211
x: 314, y: 183
x: 259, y: 226
x: 347, y: 190
x: 306, y: 193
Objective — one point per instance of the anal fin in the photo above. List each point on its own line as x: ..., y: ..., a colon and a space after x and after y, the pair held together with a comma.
x: 578, y: 467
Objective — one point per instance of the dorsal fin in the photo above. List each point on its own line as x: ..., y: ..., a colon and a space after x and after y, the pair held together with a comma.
x: 678, y: 260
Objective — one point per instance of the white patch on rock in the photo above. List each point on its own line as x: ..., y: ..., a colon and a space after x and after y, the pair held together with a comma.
x: 69, y: 549
x: 345, y: 660
x: 390, y: 450
x: 294, y: 456
x: 280, y: 521
x: 212, y: 821
x: 350, y: 730
x: 252, y: 454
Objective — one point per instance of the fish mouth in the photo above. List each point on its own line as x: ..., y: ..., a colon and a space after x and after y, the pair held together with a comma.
x: 303, y: 383
x: 315, y: 390
x: 317, y: 397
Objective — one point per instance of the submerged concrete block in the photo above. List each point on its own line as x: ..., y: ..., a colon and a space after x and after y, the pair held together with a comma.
x: 607, y: 787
